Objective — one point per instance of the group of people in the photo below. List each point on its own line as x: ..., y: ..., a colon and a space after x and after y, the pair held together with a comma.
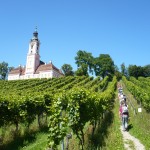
x: 123, y: 110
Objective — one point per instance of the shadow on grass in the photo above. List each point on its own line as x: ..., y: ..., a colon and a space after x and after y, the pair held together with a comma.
x: 130, y: 126
x: 22, y: 141
x: 98, y: 140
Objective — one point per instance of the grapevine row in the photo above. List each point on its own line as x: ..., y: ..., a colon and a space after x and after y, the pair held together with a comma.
x: 75, y: 106
x: 139, y: 93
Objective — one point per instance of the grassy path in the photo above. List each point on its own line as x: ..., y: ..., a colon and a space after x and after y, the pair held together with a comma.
x: 114, y: 141
x: 39, y: 144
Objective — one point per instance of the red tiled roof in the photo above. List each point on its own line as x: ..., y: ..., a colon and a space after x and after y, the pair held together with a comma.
x: 42, y: 67
x: 47, y: 67
x: 18, y: 70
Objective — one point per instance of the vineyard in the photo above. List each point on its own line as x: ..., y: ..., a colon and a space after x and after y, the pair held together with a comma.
x: 69, y: 107
x: 140, y: 89
x: 67, y: 104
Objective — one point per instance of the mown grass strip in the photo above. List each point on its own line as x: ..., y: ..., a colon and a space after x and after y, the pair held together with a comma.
x: 114, y: 141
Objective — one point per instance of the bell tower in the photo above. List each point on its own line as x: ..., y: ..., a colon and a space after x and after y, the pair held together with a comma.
x: 33, y: 57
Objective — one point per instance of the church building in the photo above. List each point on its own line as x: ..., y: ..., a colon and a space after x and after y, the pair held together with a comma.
x: 35, y: 68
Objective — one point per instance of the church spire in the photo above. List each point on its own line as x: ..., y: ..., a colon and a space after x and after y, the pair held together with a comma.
x: 35, y: 34
x: 33, y: 57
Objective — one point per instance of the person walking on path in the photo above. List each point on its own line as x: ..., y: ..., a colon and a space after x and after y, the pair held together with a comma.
x: 124, y: 115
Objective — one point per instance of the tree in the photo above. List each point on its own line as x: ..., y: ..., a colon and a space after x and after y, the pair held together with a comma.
x: 146, y: 70
x: 82, y: 70
x: 136, y: 71
x: 123, y: 68
x: 117, y: 73
x: 124, y: 71
x: 84, y: 62
x: 67, y: 70
x: 104, y: 65
x: 3, y: 70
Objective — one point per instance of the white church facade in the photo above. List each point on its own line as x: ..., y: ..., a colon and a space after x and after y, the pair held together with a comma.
x: 35, y: 68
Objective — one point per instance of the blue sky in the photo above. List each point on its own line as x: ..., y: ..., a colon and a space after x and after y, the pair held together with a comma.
x: 120, y: 28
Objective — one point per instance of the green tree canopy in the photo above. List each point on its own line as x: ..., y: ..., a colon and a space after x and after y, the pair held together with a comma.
x: 82, y: 70
x: 84, y: 61
x: 147, y: 70
x: 3, y: 70
x: 117, y: 73
x: 67, y: 70
x: 124, y: 70
x: 104, y: 65
x: 136, y: 71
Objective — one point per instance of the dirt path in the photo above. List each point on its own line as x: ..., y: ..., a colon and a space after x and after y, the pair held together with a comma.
x: 130, y: 142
